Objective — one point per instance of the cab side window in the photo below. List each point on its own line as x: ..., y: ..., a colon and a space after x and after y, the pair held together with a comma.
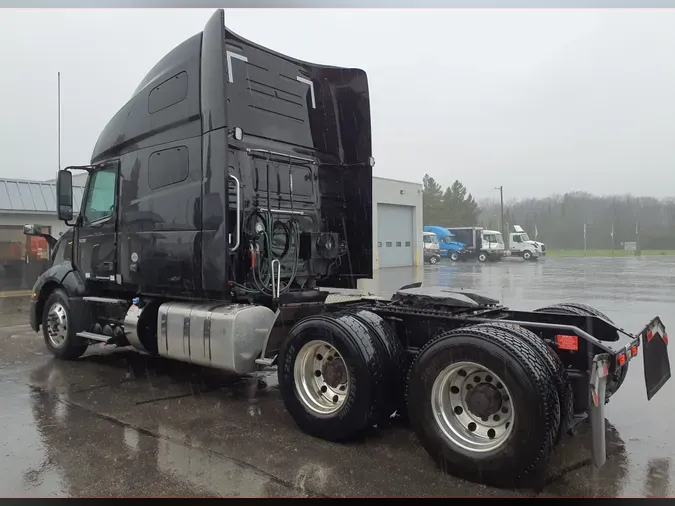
x: 100, y: 200
x: 517, y: 238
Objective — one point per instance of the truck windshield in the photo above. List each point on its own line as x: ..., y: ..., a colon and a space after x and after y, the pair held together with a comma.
x: 430, y: 239
x: 524, y: 237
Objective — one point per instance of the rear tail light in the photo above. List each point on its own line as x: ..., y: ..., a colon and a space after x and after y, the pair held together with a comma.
x: 634, y: 350
x: 622, y: 359
x: 569, y: 343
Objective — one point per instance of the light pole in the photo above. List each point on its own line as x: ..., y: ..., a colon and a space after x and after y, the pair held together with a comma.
x: 501, y: 202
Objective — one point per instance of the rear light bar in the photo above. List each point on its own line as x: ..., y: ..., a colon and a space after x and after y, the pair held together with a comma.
x: 571, y: 343
x: 630, y: 352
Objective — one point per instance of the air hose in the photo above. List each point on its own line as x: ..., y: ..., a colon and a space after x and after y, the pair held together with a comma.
x: 262, y: 258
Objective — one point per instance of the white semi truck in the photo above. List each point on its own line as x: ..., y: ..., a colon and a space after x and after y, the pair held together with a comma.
x: 520, y: 245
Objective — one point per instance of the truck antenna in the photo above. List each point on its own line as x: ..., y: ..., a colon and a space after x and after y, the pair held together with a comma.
x: 59, y: 116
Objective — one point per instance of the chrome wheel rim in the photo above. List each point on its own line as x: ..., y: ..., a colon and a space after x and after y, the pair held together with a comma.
x: 57, y: 325
x: 472, y: 407
x: 321, y: 378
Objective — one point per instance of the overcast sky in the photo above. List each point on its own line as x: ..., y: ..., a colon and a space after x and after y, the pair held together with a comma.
x: 540, y: 101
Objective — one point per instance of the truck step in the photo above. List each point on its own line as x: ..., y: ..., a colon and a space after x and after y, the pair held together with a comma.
x: 95, y: 337
x: 105, y: 300
x: 265, y: 361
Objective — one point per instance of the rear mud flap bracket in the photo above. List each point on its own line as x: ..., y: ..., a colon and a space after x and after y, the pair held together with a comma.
x: 598, y: 386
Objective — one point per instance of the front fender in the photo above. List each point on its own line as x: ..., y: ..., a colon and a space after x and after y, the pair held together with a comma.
x: 57, y: 276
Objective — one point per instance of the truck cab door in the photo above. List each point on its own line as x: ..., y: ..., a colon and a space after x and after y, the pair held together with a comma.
x: 98, y: 225
x: 516, y: 242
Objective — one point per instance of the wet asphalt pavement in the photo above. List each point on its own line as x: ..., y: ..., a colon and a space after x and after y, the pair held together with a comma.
x: 118, y: 423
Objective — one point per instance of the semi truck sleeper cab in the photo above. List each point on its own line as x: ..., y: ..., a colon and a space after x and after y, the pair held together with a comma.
x: 228, y: 206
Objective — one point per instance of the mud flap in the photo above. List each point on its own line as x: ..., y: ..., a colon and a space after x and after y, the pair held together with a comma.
x: 655, y: 352
x: 599, y: 373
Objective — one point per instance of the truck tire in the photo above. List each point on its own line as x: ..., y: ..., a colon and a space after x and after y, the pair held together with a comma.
x: 555, y: 367
x: 501, y: 435
x: 617, y: 378
x: 454, y: 256
x: 60, y: 337
x: 482, y: 257
x: 433, y: 260
x: 396, y: 360
x: 527, y: 255
x: 332, y: 375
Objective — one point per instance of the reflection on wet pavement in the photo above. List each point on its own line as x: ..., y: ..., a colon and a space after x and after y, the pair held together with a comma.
x: 118, y: 423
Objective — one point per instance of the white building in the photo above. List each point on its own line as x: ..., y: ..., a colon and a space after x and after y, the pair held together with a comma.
x: 397, y: 223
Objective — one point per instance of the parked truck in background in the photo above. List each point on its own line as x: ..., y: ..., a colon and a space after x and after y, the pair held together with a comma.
x: 227, y: 204
x: 432, y: 250
x: 480, y: 244
x: 449, y: 247
x: 493, y: 245
x: 521, y: 245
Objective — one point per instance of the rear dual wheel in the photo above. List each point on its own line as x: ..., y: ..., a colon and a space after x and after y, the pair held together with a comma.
x: 340, y: 373
x: 485, y: 405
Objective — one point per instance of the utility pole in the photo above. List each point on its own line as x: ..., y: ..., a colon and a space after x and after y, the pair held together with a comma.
x: 58, y: 77
x: 501, y: 202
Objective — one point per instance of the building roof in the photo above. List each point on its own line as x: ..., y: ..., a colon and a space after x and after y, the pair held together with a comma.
x: 414, y: 183
x: 34, y: 197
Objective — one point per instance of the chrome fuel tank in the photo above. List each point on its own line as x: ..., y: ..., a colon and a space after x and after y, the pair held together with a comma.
x: 227, y: 337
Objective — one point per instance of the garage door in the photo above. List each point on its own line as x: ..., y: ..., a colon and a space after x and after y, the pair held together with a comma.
x: 395, y: 243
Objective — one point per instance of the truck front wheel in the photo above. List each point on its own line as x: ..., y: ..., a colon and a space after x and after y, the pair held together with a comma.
x: 482, y: 257
x: 527, y: 256
x: 454, y: 256
x: 60, y: 336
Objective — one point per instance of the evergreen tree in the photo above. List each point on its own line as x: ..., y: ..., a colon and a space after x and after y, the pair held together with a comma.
x: 461, y: 209
x: 432, y: 197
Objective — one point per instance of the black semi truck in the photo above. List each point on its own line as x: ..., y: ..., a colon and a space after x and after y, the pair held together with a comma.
x: 228, y: 206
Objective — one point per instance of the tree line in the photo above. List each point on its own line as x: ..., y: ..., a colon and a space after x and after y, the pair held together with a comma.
x: 560, y: 221
x: 609, y: 222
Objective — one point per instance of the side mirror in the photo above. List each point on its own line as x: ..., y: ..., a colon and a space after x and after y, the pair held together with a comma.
x: 64, y: 195
x: 32, y: 229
